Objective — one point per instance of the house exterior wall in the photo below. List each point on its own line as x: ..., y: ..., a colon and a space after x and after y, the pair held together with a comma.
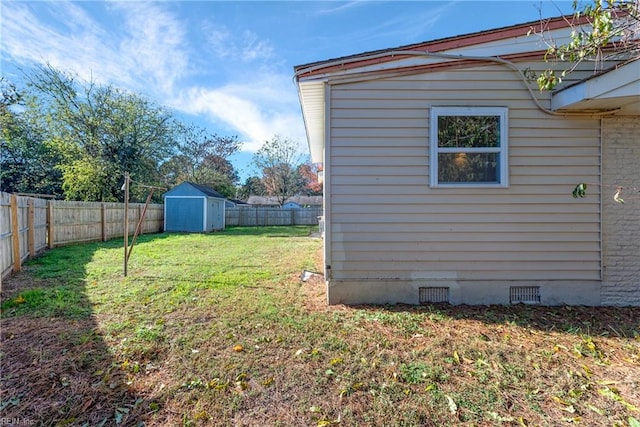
x: 621, y: 222
x: 389, y: 233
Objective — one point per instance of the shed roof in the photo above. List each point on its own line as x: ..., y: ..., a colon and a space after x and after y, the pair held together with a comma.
x: 207, y: 191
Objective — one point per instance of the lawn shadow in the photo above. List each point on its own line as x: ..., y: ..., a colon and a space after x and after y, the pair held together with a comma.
x: 621, y: 322
x: 57, y: 368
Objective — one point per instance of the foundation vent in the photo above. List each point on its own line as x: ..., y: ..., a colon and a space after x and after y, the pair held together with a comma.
x: 524, y: 294
x: 433, y: 294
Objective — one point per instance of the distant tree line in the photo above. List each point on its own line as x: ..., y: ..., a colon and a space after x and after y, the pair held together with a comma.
x: 75, y: 140
x: 283, y: 172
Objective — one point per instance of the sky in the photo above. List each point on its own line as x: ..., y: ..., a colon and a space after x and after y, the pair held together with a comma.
x: 227, y: 66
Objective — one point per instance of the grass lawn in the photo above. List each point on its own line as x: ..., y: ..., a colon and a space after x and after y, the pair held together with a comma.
x: 218, y: 329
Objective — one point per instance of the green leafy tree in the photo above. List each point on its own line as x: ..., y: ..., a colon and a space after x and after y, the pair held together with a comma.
x: 252, y: 186
x: 278, y: 160
x: 218, y: 173
x: 103, y: 133
x: 28, y: 159
x: 612, y: 32
x: 203, y: 158
x: 610, y: 29
x: 10, y: 94
x: 175, y: 170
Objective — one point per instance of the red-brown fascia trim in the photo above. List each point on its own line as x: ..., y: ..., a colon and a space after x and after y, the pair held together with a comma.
x: 443, y: 45
x: 463, y: 63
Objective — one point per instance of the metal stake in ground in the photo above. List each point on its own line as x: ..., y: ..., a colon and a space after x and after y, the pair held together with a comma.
x: 125, y: 187
x: 127, y: 249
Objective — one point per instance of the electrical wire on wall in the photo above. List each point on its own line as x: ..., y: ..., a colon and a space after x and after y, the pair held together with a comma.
x: 512, y: 66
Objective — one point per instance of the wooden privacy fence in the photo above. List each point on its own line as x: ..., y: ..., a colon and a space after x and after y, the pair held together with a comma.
x: 74, y: 222
x: 256, y: 217
x: 29, y: 225
x: 23, y: 230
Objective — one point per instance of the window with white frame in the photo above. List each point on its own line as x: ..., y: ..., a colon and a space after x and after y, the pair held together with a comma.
x: 468, y: 146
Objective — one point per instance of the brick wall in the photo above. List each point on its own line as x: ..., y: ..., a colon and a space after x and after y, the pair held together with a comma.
x: 621, y: 222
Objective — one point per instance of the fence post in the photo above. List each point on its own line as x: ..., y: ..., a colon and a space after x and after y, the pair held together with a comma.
x: 140, y: 209
x: 15, y: 232
x: 31, y: 230
x: 293, y: 216
x: 103, y: 221
x: 50, y: 242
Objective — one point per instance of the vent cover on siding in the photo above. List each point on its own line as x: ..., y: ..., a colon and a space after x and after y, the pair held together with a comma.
x: 524, y: 294
x: 433, y: 294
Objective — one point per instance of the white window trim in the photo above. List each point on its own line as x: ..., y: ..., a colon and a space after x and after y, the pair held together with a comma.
x: 502, y: 112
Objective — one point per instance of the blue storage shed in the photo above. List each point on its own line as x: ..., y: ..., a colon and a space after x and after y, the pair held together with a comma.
x: 193, y: 207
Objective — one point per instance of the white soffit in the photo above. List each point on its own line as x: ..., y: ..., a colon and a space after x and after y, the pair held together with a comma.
x: 616, y: 89
x: 311, y: 95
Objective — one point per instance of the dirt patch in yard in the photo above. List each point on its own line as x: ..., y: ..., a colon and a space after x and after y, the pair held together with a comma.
x: 16, y: 283
x: 301, y: 362
x: 58, y: 371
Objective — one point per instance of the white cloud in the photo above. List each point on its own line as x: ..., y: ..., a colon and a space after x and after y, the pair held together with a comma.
x: 26, y: 39
x: 148, y: 54
x: 153, y: 46
x: 147, y: 51
x: 340, y: 6
x: 243, y: 46
x: 412, y: 28
x: 253, y: 48
x: 257, y: 110
x: 219, y: 41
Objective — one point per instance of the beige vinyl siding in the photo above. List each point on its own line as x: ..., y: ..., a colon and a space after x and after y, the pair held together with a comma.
x: 387, y: 223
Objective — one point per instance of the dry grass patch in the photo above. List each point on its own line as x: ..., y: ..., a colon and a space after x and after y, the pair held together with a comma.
x: 218, y: 330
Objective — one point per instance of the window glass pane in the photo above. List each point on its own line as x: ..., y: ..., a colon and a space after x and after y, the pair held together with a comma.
x: 468, y: 167
x: 468, y: 131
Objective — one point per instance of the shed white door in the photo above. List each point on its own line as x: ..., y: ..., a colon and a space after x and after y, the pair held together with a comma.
x: 216, y: 215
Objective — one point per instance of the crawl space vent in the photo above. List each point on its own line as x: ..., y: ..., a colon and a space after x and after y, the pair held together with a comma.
x: 524, y: 294
x: 433, y: 294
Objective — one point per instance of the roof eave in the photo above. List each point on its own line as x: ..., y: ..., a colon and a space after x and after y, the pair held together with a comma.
x: 460, y: 51
x: 312, y: 101
x: 455, y: 43
x: 618, y: 88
